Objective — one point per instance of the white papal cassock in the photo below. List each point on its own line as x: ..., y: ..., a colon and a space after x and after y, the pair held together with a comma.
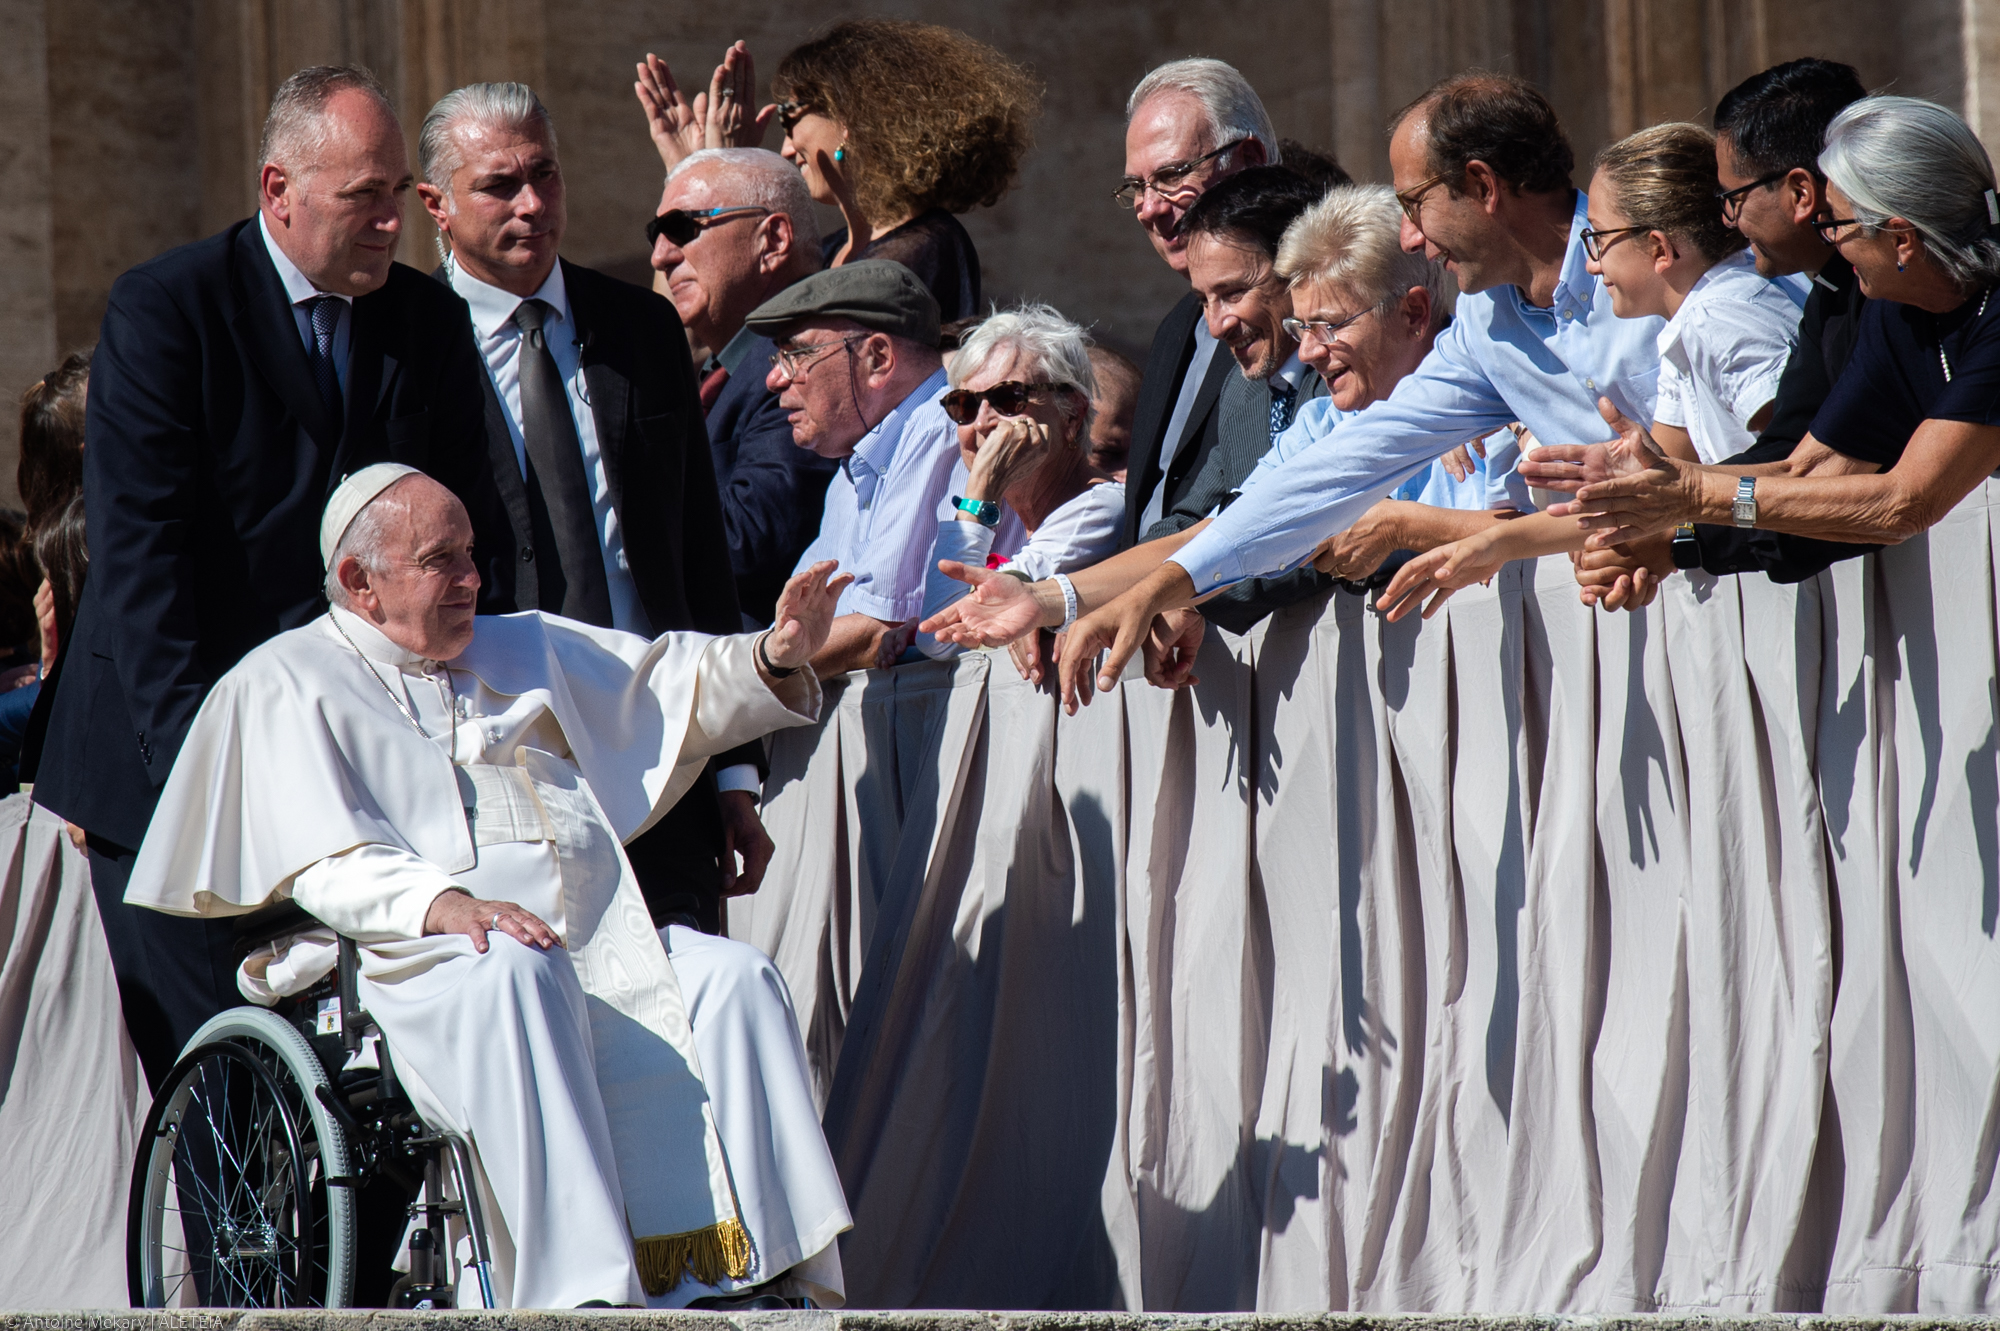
x: 333, y: 766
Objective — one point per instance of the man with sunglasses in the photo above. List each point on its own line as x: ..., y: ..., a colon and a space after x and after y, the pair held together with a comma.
x: 1482, y: 169
x: 735, y: 228
x: 858, y: 373
x: 1189, y: 125
x: 597, y: 451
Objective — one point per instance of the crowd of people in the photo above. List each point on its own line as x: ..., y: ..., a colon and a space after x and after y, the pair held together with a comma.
x: 1754, y: 348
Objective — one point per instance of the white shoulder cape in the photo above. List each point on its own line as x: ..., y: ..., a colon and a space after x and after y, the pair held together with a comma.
x: 288, y: 761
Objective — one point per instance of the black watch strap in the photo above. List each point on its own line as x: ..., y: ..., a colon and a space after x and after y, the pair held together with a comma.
x: 1686, y: 547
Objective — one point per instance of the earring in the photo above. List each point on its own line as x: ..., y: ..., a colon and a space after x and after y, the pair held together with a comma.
x: 840, y: 153
x: 1899, y: 266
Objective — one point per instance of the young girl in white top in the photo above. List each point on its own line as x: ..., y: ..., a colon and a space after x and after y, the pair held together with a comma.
x: 1665, y: 251
x: 1657, y: 241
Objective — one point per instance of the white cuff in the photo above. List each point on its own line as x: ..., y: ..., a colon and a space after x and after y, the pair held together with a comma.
x: 740, y: 776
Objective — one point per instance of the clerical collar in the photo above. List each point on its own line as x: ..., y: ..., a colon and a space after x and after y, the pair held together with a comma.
x: 374, y: 644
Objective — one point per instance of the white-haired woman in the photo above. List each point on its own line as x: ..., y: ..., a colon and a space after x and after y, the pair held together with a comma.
x: 1021, y: 388
x: 1914, y: 423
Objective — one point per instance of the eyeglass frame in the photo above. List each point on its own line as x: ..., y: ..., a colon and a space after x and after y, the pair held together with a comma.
x: 1298, y: 327
x: 657, y: 228
x: 1411, y: 201
x: 1822, y: 225
x: 1589, y: 238
x: 1158, y: 182
x: 1730, y: 201
x: 982, y: 396
x: 785, y: 359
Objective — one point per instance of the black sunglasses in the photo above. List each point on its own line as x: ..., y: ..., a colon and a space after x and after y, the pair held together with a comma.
x: 790, y: 114
x: 962, y: 404
x: 681, y: 226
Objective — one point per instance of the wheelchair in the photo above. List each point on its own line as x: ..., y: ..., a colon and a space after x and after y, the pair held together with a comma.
x: 276, y: 1169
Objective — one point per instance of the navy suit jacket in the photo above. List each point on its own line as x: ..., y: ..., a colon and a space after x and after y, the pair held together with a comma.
x: 209, y: 458
x: 773, y: 491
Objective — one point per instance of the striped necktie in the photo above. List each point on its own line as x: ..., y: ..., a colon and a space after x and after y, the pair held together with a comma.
x: 1283, y: 398
x: 324, y: 311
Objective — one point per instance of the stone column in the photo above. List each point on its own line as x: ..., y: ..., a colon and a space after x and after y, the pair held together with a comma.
x: 27, y: 278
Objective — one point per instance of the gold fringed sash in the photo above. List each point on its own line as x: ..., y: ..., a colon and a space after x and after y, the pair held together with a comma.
x: 721, y: 1250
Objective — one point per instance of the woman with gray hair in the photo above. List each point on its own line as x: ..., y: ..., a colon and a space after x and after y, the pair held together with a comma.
x: 1021, y: 390
x: 1914, y: 422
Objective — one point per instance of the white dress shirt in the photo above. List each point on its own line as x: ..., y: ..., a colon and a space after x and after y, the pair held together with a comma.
x: 1502, y: 360
x: 881, y: 508
x: 299, y: 289
x: 1723, y: 352
x: 500, y: 343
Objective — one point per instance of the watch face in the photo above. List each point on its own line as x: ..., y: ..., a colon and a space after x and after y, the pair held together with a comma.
x: 1745, y: 512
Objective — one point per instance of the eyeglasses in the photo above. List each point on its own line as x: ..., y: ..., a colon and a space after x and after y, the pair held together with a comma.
x: 793, y: 362
x: 1169, y: 182
x: 1826, y: 226
x: 1008, y: 399
x: 1321, y: 330
x: 1412, y: 200
x: 681, y: 225
x: 790, y: 114
x: 1731, y: 200
x: 1595, y: 244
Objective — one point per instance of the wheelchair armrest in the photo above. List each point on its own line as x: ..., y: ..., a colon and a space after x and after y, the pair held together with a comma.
x: 271, y: 922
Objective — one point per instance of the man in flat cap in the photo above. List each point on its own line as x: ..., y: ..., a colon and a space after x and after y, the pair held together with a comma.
x: 857, y: 367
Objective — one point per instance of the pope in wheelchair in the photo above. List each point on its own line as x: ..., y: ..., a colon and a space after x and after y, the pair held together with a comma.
x: 452, y: 795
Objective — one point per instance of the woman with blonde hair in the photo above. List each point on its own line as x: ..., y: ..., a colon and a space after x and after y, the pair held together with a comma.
x: 899, y: 125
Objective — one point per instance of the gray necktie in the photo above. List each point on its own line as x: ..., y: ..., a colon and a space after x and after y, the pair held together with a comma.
x: 555, y: 467
x: 324, y: 311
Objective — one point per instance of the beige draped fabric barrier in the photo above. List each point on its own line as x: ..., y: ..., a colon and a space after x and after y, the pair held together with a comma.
x: 71, y: 1092
x: 1530, y: 958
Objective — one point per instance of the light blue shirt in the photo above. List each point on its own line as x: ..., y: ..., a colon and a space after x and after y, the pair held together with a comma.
x: 1502, y: 360
x: 881, y: 509
x: 1493, y: 483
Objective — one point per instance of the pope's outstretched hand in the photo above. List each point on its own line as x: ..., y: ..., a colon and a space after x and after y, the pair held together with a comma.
x: 804, y: 616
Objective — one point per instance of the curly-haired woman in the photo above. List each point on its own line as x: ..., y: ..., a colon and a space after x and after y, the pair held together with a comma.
x: 900, y: 125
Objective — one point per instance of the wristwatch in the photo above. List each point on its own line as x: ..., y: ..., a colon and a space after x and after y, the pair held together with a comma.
x: 985, y: 512
x: 1686, y: 549
x: 1744, y: 510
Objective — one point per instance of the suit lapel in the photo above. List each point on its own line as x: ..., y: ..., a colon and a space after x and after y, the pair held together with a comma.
x: 1221, y: 366
x: 269, y: 335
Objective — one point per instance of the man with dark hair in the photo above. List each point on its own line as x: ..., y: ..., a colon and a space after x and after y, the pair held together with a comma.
x: 1768, y: 133
x: 1232, y: 234
x: 1482, y: 170
x: 236, y: 381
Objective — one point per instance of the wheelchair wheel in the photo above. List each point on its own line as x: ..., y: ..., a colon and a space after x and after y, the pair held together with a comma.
x: 242, y: 1192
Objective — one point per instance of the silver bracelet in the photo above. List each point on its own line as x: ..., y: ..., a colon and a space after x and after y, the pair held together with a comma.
x: 1069, y: 601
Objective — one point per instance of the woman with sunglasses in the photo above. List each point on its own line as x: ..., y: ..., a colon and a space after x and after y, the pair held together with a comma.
x: 1913, y: 424
x: 1658, y: 242
x: 1022, y: 386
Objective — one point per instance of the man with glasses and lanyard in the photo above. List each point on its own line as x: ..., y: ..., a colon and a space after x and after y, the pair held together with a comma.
x: 735, y: 228
x: 1189, y: 125
x: 1482, y: 169
x: 858, y: 372
x: 598, y: 454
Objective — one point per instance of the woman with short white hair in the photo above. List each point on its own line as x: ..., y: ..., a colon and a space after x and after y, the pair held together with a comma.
x: 1914, y: 422
x: 1021, y: 389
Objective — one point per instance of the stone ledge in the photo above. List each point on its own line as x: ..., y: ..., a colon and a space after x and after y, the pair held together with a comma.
x: 617, y: 1320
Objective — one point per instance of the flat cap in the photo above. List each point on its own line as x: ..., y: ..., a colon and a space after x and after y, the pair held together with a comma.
x: 878, y: 294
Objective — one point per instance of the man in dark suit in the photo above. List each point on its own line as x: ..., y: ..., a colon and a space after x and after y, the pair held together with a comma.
x: 236, y: 380
x: 1189, y: 125
x: 596, y: 449
x: 1232, y: 235
x: 736, y: 227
